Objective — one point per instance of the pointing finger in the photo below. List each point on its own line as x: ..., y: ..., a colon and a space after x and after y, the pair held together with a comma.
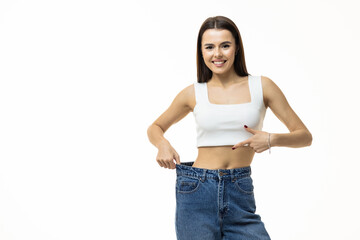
x: 253, y: 131
x: 243, y: 143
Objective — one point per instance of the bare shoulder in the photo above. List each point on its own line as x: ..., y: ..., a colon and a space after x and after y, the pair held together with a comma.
x: 279, y: 105
x: 187, y: 96
x: 189, y: 90
x: 270, y: 90
x: 178, y: 109
x: 267, y: 82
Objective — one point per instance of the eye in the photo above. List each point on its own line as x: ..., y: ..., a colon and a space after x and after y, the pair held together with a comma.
x: 209, y: 47
x: 226, y: 46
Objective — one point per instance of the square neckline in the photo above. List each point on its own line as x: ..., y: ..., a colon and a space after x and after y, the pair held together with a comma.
x: 234, y: 104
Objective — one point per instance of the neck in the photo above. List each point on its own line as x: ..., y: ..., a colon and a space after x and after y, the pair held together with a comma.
x: 225, y: 79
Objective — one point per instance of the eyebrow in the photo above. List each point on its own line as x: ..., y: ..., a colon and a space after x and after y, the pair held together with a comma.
x: 206, y: 44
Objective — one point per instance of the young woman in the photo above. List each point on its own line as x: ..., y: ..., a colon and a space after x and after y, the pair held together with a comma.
x: 214, y: 194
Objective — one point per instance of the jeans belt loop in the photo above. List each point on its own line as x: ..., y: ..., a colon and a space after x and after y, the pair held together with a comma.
x: 202, y: 178
x: 233, y: 176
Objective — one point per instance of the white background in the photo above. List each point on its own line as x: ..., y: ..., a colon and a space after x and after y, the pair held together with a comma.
x: 81, y: 81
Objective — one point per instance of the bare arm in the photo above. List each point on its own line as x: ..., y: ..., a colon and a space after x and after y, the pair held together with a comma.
x: 178, y: 109
x: 156, y: 135
x: 299, y: 135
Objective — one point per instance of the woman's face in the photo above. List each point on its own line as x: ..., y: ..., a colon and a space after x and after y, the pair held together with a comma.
x: 218, y: 48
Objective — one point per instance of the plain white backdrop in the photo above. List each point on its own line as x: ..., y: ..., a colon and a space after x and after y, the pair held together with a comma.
x: 81, y: 81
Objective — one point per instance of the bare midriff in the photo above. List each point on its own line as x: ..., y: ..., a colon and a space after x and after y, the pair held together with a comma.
x: 223, y: 157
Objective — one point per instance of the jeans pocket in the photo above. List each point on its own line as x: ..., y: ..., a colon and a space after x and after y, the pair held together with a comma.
x: 245, y: 185
x: 186, y: 184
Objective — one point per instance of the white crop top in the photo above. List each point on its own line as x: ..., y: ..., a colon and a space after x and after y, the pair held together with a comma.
x: 223, y: 124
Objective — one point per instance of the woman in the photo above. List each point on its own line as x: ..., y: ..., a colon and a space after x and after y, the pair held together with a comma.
x: 214, y: 194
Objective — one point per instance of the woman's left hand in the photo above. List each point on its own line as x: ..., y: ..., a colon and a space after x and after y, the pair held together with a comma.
x: 259, y: 141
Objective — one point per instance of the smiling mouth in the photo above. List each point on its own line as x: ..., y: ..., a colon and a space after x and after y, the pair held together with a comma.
x: 219, y: 62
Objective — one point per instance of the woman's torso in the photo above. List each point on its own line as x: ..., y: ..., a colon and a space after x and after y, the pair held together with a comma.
x: 223, y: 157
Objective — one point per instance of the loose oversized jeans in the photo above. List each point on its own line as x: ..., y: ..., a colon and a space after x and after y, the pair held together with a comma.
x: 216, y: 204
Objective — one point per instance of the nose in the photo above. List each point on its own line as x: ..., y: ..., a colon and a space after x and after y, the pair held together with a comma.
x: 217, y: 53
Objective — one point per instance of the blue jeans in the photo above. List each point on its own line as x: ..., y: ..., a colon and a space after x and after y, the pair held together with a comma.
x: 216, y: 204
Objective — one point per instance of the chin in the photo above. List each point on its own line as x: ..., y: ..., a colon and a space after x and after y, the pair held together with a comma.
x: 219, y: 72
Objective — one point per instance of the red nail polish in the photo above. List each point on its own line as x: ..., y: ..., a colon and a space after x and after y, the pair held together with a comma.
x: 245, y: 126
x: 232, y: 148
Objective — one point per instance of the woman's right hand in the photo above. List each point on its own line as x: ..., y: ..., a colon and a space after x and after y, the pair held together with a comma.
x: 166, y: 155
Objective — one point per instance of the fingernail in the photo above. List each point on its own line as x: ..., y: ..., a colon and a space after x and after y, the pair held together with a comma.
x: 232, y: 148
x: 245, y: 126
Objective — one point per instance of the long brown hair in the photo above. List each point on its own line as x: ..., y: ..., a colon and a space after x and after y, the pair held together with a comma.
x: 204, y: 74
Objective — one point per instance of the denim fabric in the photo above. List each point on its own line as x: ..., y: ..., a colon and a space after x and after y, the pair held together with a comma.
x: 216, y: 204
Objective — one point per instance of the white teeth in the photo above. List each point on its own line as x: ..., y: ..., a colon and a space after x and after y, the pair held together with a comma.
x: 218, y: 62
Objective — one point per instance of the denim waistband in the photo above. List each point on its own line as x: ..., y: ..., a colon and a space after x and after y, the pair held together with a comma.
x: 186, y: 169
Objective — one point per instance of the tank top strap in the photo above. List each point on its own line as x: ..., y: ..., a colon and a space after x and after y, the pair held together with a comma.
x: 256, y: 89
x: 200, y: 92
